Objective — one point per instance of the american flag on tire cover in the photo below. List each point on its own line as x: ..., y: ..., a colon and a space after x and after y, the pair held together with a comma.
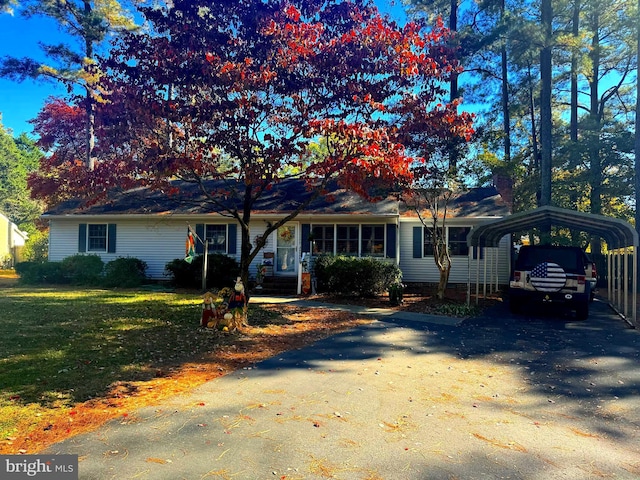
x: 548, y: 277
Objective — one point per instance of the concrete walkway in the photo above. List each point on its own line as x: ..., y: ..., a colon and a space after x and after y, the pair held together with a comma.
x: 493, y: 397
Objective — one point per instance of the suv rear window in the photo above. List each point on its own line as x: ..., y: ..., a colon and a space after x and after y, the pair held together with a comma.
x: 570, y: 258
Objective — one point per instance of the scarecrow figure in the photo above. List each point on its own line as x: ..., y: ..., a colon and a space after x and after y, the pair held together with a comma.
x: 237, y: 306
x: 209, y: 311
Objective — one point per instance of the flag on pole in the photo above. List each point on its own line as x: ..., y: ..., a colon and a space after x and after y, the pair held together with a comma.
x: 190, y: 247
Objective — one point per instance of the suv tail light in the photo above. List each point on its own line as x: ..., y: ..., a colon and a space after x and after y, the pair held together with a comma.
x: 516, y: 276
x: 581, y: 279
x: 594, y: 270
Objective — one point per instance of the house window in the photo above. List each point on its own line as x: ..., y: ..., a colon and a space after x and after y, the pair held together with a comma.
x: 456, y: 241
x: 97, y: 237
x: 350, y: 240
x: 372, y: 241
x: 323, y: 238
x: 216, y: 235
x: 428, y: 242
x: 347, y: 240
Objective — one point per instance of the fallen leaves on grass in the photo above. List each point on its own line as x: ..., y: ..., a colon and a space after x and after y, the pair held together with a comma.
x: 299, y: 327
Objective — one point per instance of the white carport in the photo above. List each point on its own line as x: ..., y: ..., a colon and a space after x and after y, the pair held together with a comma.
x: 620, y: 236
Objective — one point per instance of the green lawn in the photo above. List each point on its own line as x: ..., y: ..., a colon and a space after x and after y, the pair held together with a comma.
x: 63, y: 346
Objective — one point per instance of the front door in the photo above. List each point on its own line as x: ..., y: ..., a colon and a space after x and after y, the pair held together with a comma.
x: 286, y: 250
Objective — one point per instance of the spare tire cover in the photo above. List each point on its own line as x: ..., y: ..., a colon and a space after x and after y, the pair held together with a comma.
x: 548, y: 277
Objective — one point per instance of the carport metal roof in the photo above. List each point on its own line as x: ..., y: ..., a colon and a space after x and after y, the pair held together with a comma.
x: 617, y: 233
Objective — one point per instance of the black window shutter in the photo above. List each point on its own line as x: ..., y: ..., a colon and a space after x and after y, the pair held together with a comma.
x: 200, y: 236
x: 391, y: 240
x: 111, y: 238
x: 417, y: 242
x: 82, y: 237
x: 306, y: 231
x: 232, y: 239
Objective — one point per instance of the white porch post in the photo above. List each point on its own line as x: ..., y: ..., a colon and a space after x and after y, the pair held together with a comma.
x: 204, y: 265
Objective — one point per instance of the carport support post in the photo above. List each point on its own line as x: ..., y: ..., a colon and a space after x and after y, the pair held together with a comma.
x: 618, y: 280
x: 625, y: 284
x: 469, y: 261
x: 614, y: 274
x: 634, y: 295
x: 477, y: 274
x: 609, y: 277
x: 497, y: 271
x: 484, y: 275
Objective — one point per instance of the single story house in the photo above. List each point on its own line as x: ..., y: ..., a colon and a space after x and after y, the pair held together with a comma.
x: 12, y: 239
x: 152, y: 226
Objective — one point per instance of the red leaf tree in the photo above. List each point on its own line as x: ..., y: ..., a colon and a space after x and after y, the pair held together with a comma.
x: 242, y: 90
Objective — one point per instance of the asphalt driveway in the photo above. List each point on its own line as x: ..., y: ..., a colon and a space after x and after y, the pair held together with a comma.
x: 537, y: 397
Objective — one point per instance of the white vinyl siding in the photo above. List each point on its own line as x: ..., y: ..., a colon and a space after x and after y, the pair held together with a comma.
x: 153, y: 241
x: 424, y: 269
x: 157, y: 241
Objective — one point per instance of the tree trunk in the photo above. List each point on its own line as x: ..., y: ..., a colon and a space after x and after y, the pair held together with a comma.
x: 535, y: 150
x: 90, y: 131
x: 245, y: 254
x: 545, y: 104
x: 637, y: 139
x: 506, y: 116
x: 453, y: 87
x: 573, y: 124
x: 245, y: 240
x: 90, y: 109
x: 637, y: 133
x: 595, y: 127
x: 442, y: 259
x: 443, y: 282
x: 574, y: 152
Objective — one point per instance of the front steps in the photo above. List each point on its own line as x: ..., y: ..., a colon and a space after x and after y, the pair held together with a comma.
x: 278, y: 286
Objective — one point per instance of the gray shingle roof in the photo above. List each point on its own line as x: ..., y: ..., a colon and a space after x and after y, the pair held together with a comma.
x: 475, y: 202
x: 284, y: 197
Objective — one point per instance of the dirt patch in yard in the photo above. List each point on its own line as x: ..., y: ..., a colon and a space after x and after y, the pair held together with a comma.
x: 425, y: 301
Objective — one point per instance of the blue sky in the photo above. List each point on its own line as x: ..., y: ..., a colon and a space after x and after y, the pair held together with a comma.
x: 19, y: 37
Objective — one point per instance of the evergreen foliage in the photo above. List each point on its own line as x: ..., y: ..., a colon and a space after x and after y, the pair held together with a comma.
x: 124, y: 272
x: 362, y: 277
x: 18, y: 157
x: 222, y: 271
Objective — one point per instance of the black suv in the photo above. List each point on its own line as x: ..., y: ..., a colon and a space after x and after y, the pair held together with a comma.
x: 548, y: 274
